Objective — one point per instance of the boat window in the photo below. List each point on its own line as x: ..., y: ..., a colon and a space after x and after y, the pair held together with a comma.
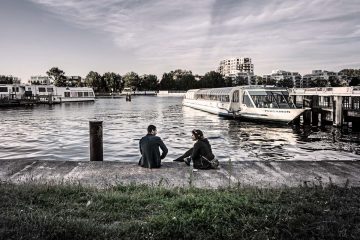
x: 247, y: 101
x: 271, y: 99
x: 50, y: 90
x: 91, y: 94
x: 86, y: 94
x: 42, y: 89
x: 80, y: 94
x: 236, y: 96
x: 73, y: 94
x: 66, y: 94
x: 3, y: 89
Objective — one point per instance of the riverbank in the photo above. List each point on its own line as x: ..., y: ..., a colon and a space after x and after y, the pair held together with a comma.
x: 274, y: 174
x: 33, y: 211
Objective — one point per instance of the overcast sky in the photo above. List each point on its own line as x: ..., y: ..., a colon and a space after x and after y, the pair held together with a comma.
x: 157, y: 36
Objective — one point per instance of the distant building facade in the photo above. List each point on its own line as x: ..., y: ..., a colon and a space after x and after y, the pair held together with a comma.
x: 237, y: 68
x: 39, y: 80
x: 279, y: 75
x: 317, y: 74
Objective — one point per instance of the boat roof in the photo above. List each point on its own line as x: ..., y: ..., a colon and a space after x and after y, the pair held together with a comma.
x: 227, y: 90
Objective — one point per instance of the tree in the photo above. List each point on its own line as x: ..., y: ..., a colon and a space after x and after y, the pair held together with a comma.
x: 58, y: 76
x: 319, y: 82
x: 240, y: 81
x: 112, y: 82
x: 132, y: 80
x: 167, y: 82
x: 212, y: 79
x: 149, y: 82
x: 286, y: 83
x: 93, y: 79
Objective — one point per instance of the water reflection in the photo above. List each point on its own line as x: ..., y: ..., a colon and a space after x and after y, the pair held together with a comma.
x: 61, y: 132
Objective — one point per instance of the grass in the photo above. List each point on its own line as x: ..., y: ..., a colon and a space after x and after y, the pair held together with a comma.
x: 32, y: 211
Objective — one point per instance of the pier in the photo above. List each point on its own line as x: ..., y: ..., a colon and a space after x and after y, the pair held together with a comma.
x: 338, y: 105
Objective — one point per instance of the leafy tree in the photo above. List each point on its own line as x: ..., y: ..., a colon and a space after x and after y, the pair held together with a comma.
x: 112, y: 82
x: 186, y: 82
x: 240, y: 81
x: 319, y: 82
x: 93, y: 79
x: 212, y: 79
x: 228, y: 82
x: 149, y: 82
x: 265, y: 81
x: 132, y: 80
x: 58, y: 76
x: 6, y: 79
x: 167, y: 82
x: 286, y: 82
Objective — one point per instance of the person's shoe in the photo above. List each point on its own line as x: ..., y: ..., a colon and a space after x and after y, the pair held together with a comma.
x: 179, y: 159
x: 187, y: 161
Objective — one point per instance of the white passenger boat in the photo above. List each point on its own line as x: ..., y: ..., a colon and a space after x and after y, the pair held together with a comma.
x: 266, y: 103
x: 47, y: 93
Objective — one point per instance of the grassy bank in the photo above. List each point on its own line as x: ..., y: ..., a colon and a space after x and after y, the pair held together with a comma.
x: 140, y: 212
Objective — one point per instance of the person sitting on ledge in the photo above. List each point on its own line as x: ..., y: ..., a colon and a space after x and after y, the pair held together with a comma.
x: 201, y: 153
x: 149, y: 149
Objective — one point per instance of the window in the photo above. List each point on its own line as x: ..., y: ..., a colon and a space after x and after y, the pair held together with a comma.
x: 80, y: 94
x: 86, y: 94
x: 50, y: 90
x: 247, y: 101
x: 42, y: 89
x: 3, y: 89
x: 66, y: 94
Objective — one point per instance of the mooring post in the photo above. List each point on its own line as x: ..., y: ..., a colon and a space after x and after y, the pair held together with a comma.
x: 96, y: 141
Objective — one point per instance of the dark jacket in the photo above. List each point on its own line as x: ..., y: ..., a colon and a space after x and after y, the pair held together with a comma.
x: 150, y: 153
x: 202, y: 148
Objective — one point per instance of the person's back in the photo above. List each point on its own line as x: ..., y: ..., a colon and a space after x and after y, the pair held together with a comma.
x: 149, y: 148
x: 202, y: 148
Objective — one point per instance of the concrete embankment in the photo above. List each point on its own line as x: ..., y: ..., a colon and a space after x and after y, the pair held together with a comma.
x: 172, y: 174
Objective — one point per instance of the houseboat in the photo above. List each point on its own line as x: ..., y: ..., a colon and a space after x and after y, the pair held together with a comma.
x: 265, y: 103
x: 46, y: 93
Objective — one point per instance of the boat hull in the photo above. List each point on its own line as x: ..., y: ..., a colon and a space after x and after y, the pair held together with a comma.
x: 257, y: 114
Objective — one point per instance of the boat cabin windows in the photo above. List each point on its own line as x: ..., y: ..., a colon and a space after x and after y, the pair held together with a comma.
x: 271, y: 99
x: 86, y: 94
x: 15, y: 89
x: 80, y: 94
x: 42, y: 89
x: 235, y: 96
x: 66, y: 94
x: 3, y: 89
x: 91, y: 94
x: 50, y: 89
x: 247, y: 100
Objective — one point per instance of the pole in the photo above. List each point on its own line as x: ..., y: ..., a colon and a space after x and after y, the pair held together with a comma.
x: 96, y: 141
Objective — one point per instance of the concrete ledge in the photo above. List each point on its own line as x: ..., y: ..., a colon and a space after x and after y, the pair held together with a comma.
x: 172, y: 174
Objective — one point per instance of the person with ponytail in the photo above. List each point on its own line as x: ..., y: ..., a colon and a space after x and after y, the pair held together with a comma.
x: 200, y: 154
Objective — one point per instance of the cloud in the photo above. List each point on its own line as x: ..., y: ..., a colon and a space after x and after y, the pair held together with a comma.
x: 198, y: 34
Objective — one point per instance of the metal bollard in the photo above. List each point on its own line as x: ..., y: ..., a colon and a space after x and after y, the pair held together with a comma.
x: 96, y: 141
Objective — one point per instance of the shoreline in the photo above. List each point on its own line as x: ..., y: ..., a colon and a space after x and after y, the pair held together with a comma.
x: 274, y: 174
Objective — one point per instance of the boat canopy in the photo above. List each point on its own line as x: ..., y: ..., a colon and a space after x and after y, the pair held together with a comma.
x: 215, y: 91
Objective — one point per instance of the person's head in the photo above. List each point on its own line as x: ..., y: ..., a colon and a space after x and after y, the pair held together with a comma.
x: 197, y: 134
x: 152, y: 130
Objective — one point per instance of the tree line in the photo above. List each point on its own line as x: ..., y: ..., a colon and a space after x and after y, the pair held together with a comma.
x: 184, y: 80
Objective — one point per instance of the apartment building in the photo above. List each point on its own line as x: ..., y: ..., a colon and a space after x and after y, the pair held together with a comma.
x: 39, y: 80
x: 233, y: 66
x: 278, y: 75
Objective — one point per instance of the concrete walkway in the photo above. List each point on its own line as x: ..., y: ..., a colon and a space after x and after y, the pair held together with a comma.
x: 172, y: 174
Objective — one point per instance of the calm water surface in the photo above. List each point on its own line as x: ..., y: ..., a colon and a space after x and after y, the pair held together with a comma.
x: 61, y: 132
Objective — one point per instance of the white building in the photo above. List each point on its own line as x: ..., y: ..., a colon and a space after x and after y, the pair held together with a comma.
x: 39, y: 80
x: 234, y: 66
x: 279, y: 75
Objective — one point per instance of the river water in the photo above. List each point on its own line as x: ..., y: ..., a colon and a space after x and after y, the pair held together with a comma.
x: 61, y: 132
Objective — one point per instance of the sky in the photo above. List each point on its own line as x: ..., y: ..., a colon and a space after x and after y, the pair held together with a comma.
x: 157, y: 36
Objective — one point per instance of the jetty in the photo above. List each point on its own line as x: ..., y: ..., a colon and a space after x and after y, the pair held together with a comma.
x: 263, y: 174
x: 338, y: 105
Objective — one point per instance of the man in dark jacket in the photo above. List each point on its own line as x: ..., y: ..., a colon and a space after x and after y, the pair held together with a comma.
x: 149, y: 149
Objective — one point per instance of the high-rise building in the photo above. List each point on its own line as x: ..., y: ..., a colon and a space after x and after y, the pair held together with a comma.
x: 234, y: 66
x: 39, y: 80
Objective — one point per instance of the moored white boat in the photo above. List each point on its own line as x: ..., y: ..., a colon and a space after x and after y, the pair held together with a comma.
x: 264, y: 103
x: 47, y: 93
